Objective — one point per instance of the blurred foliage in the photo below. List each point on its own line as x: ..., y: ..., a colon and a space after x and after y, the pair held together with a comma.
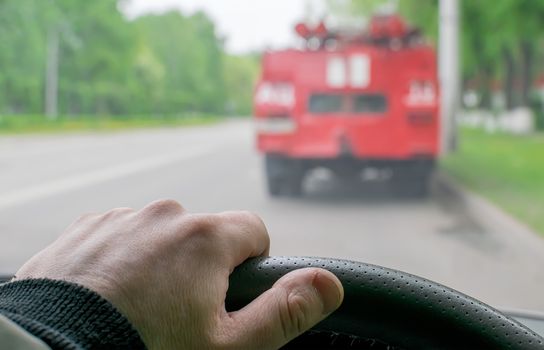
x: 501, y: 42
x: 165, y: 64
x: 240, y: 82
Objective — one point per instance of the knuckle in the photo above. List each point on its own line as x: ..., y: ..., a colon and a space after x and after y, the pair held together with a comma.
x: 82, y: 221
x: 245, y: 221
x: 123, y: 210
x: 163, y: 206
x: 246, y: 217
x: 201, y: 226
x: 86, y: 217
x: 118, y: 212
x: 253, y: 219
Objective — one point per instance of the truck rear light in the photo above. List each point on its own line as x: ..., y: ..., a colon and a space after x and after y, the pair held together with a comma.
x: 420, y: 118
x: 275, y: 94
x: 421, y: 93
x: 275, y: 125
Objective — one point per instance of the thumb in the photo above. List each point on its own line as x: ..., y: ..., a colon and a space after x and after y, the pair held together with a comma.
x: 294, y: 304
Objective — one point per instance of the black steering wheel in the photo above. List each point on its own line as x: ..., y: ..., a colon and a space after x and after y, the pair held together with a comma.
x: 387, y: 309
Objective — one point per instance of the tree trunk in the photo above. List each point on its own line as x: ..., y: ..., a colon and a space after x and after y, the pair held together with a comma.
x: 508, y: 84
x: 526, y: 72
x: 485, y: 74
x: 485, y: 87
x: 52, y: 74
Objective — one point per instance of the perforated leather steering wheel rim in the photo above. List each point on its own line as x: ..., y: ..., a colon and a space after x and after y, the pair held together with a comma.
x: 390, y: 307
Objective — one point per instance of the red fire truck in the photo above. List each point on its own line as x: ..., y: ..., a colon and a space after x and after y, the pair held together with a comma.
x: 350, y: 101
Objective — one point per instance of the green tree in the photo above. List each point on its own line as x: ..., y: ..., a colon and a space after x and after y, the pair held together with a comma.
x: 97, y: 57
x: 165, y: 64
x: 191, y: 54
x: 520, y: 26
x: 500, y: 41
x: 22, y: 53
x: 241, y: 73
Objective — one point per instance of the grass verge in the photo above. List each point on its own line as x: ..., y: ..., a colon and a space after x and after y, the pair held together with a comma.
x: 507, y: 169
x: 23, y: 124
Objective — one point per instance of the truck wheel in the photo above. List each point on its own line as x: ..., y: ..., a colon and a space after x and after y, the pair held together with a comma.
x: 274, y: 170
x: 293, y: 183
x: 283, y: 176
x: 412, y: 181
x: 411, y: 187
x: 273, y: 186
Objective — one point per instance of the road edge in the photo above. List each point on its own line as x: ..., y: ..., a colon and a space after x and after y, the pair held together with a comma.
x: 487, y: 213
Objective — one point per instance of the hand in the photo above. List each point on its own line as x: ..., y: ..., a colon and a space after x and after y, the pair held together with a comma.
x: 167, y: 272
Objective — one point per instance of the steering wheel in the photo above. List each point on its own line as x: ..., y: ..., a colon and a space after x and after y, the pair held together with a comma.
x: 387, y: 309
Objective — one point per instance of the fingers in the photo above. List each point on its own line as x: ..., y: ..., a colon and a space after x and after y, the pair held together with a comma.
x: 230, y: 237
x: 295, y: 303
x: 246, y: 236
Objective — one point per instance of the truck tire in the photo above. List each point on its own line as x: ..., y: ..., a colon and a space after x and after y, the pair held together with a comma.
x: 293, y: 183
x: 283, y: 176
x: 273, y: 186
x: 274, y: 170
x: 411, y: 187
x: 412, y: 180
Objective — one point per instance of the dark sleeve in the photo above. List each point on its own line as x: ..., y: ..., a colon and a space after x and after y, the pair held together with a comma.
x: 67, y: 316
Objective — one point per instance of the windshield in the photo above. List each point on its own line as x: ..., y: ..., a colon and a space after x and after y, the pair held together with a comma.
x: 379, y: 132
x: 347, y: 104
x: 326, y: 103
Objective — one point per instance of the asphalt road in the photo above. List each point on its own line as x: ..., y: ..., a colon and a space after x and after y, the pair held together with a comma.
x: 48, y: 181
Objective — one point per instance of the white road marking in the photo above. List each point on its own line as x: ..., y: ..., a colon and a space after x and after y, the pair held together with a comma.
x: 21, y: 196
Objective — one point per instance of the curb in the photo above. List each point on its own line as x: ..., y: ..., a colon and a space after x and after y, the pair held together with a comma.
x: 489, y: 215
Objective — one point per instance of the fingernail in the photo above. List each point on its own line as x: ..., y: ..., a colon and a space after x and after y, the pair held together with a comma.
x: 330, y: 289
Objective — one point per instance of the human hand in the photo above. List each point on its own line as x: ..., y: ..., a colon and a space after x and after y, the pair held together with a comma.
x: 167, y: 271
